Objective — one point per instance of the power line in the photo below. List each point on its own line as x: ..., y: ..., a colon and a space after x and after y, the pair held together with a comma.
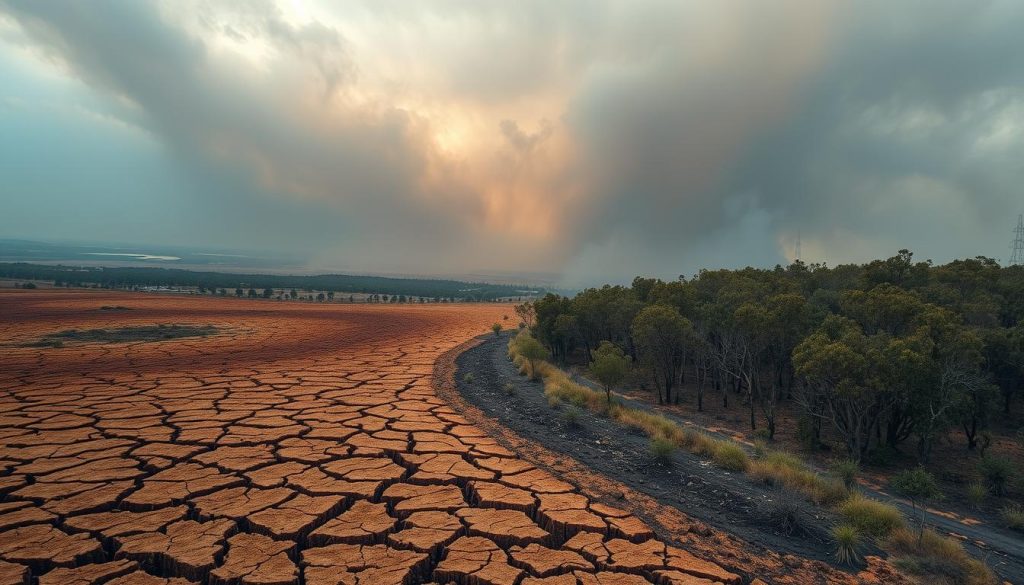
x: 1017, y: 257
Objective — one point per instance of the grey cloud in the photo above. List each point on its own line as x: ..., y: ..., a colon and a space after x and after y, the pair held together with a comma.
x: 885, y: 143
x: 524, y: 141
x: 700, y: 133
x: 229, y: 133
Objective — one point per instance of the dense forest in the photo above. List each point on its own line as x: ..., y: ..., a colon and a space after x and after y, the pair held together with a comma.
x: 127, y: 278
x: 880, y: 353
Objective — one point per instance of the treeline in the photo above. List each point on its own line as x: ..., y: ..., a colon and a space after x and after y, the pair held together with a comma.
x: 174, y: 277
x: 880, y: 353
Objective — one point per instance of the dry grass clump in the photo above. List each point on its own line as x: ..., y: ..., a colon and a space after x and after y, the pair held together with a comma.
x: 730, y: 456
x: 653, y: 425
x: 871, y: 517
x: 1013, y: 516
x: 662, y: 449
x: 787, y: 471
x: 976, y: 494
x: 847, y: 543
x: 936, y: 558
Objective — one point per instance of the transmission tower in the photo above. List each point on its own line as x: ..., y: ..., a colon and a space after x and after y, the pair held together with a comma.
x: 1017, y: 257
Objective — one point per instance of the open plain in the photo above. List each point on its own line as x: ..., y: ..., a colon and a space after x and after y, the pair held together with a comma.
x: 297, y: 443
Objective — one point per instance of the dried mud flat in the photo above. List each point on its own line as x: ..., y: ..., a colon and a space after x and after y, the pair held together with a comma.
x: 301, y: 444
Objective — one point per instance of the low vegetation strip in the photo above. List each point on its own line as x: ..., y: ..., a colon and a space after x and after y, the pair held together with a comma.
x: 922, y: 552
x: 132, y: 334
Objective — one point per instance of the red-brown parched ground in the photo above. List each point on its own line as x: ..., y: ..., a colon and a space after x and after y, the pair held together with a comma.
x: 301, y: 443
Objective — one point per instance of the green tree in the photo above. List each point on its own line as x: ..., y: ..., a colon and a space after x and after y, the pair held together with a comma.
x: 918, y: 486
x: 610, y: 366
x: 533, y: 352
x: 840, y: 370
x: 496, y: 328
x: 661, y: 335
x: 525, y: 313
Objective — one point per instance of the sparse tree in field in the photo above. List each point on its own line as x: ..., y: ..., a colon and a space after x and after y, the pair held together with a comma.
x: 268, y: 292
x: 239, y: 292
x: 525, y: 313
x: 320, y: 297
x: 351, y: 298
x: 330, y: 295
x: 533, y: 352
x: 610, y: 366
x: 496, y: 328
x: 918, y: 486
x: 252, y: 293
x: 660, y: 334
x: 294, y: 293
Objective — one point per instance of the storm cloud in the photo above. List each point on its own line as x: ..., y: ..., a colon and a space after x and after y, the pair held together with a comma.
x: 590, y: 140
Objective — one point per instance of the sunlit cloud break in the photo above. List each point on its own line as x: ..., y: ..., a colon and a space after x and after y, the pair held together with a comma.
x: 587, y: 139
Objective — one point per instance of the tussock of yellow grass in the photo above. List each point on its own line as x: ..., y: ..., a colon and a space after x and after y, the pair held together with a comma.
x: 871, y: 517
x: 939, y: 559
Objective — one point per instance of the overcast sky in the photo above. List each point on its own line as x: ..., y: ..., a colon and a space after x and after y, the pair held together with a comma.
x: 594, y: 140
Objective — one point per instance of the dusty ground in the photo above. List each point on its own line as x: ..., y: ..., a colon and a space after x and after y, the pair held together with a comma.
x: 300, y: 444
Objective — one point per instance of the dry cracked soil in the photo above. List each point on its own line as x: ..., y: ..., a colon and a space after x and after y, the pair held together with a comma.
x: 299, y: 444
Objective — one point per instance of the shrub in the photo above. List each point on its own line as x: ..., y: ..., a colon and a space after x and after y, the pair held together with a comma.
x: 571, y: 416
x: 997, y: 472
x: 468, y: 378
x: 496, y: 328
x: 976, y: 493
x: 870, y: 517
x: 610, y: 366
x: 1013, y: 516
x: 760, y: 449
x: 847, y: 543
x: 828, y: 492
x: 510, y: 388
x: 662, y: 449
x: 762, y: 471
x: 785, y: 513
x: 729, y: 455
x: 936, y: 557
x: 530, y: 350
x: 918, y: 486
x: 805, y: 433
x: 846, y: 470
x: 554, y: 401
x: 697, y: 442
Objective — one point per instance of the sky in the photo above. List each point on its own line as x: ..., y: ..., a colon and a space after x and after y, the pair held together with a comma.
x: 589, y: 140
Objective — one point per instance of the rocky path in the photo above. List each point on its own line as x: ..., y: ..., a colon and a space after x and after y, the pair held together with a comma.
x: 301, y: 444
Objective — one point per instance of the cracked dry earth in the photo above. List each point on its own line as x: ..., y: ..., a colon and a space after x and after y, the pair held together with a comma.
x: 302, y: 444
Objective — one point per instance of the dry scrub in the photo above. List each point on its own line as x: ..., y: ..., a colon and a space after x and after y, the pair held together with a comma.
x: 937, y: 557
